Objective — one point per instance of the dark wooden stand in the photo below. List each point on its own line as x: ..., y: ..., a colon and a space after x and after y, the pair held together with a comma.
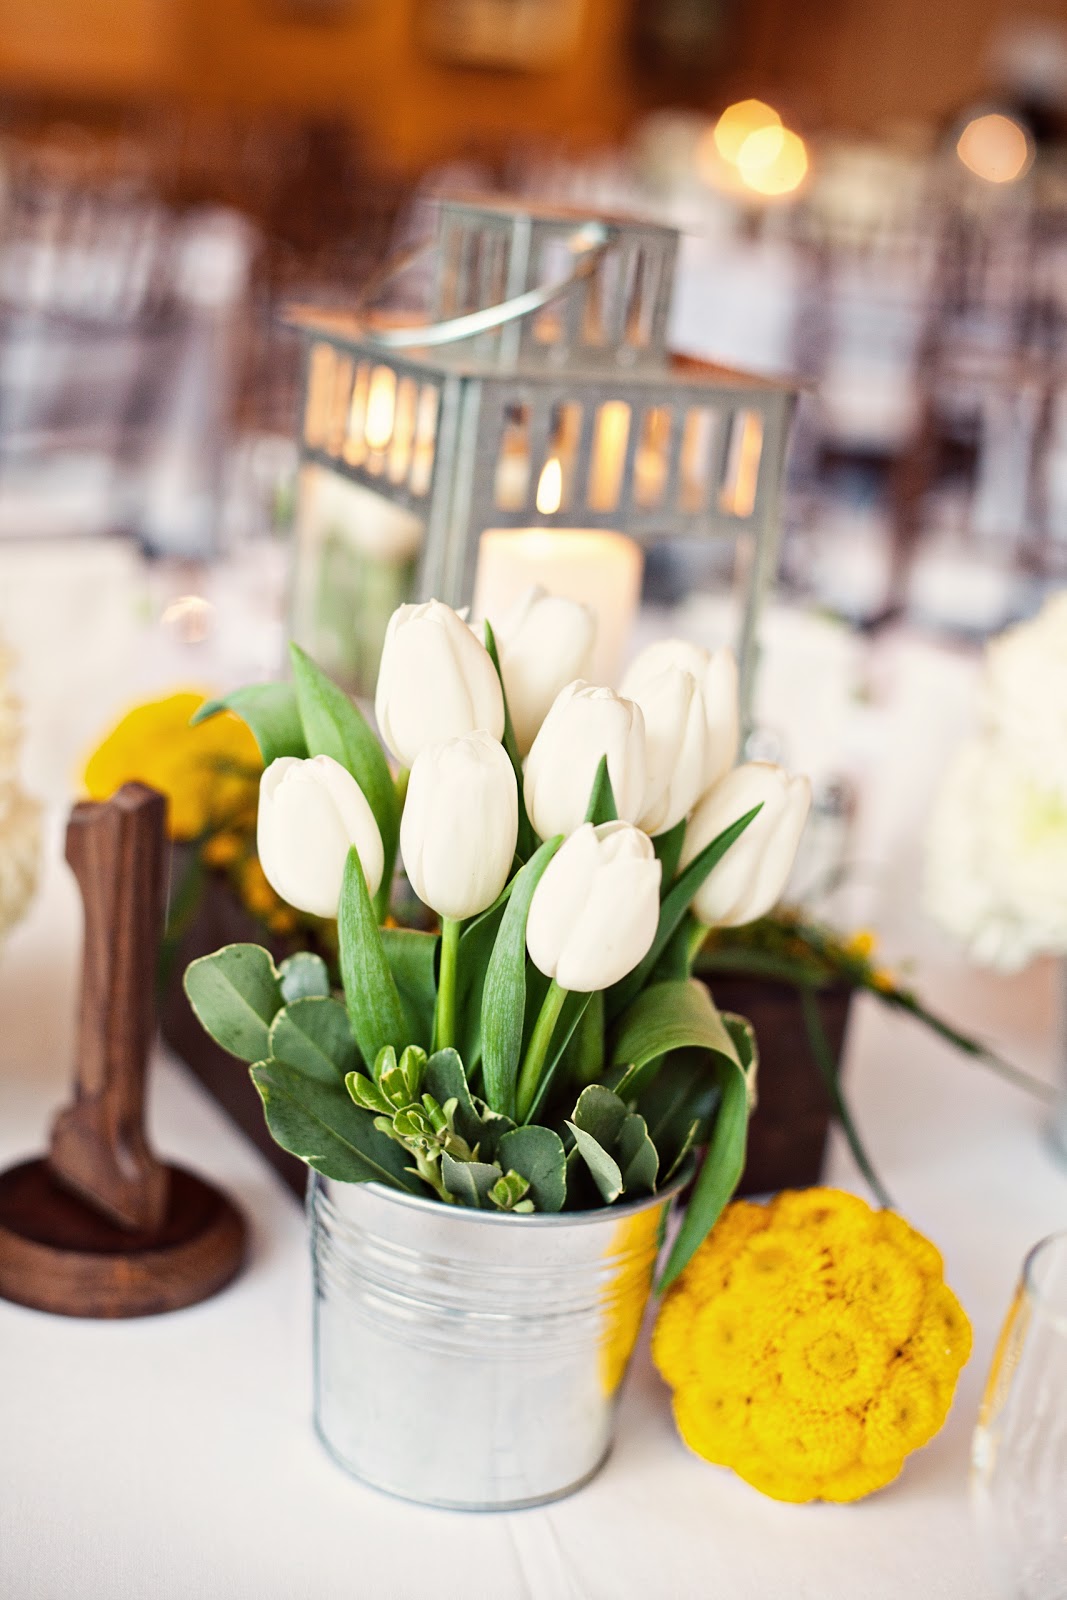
x: 100, y: 1227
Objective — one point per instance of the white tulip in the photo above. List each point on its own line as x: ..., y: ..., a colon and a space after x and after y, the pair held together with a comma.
x: 594, y: 914
x: 460, y: 824
x: 716, y: 673
x: 436, y: 681
x: 749, y: 879
x: 676, y: 747
x: 544, y: 642
x: 310, y: 813
x: 583, y: 725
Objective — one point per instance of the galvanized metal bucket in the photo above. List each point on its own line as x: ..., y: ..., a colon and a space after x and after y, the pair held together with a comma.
x: 472, y: 1359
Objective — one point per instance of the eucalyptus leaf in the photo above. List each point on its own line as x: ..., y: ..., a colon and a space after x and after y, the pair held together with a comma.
x: 504, y: 991
x: 444, y: 1078
x: 492, y: 1129
x: 603, y: 1167
x: 674, y: 907
x: 370, y: 992
x: 271, y: 713
x: 538, y: 1154
x: 601, y: 1113
x: 334, y: 726
x: 319, y: 1123
x: 303, y: 975
x: 411, y: 958
x: 314, y: 1035
x: 469, y: 1181
x: 637, y: 1157
x: 235, y: 994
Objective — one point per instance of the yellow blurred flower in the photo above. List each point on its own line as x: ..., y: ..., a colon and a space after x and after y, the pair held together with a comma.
x: 207, y: 772
x: 811, y: 1344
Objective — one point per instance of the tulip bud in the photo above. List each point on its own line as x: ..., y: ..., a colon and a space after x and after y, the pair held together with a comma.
x: 544, y: 642
x: 716, y: 673
x: 584, y: 725
x: 594, y: 914
x: 310, y: 814
x: 749, y: 879
x: 460, y: 824
x: 676, y: 747
x: 436, y: 681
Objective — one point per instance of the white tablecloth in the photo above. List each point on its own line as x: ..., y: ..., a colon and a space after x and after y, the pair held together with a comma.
x: 173, y: 1457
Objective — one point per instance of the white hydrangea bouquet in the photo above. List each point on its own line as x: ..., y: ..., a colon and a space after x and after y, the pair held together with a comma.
x: 546, y: 1049
x: 996, y: 862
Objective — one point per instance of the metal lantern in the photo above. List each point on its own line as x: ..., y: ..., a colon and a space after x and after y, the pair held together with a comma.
x: 541, y: 394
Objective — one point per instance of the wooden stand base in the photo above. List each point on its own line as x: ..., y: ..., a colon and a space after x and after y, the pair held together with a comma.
x: 58, y: 1254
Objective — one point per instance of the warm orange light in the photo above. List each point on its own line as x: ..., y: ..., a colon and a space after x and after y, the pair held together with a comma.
x: 995, y: 147
x: 773, y: 161
x: 550, y: 487
x: 738, y: 122
x: 381, y: 408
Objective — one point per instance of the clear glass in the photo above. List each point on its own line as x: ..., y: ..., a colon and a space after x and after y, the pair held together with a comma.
x: 1019, y: 1460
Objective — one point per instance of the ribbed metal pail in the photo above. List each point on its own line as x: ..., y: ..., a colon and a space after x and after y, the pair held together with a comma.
x: 472, y: 1359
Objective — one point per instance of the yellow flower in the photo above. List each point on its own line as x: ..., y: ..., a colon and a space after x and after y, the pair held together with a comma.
x: 806, y: 1441
x: 926, y: 1256
x: 836, y: 1356
x: 892, y: 1287
x: 673, y: 1348
x: 256, y: 892
x: 861, y: 944
x: 222, y: 849
x: 713, y: 1423
x: 859, y: 1480
x: 905, y: 1414
x: 812, y: 1347
x: 942, y: 1341
x: 206, y: 772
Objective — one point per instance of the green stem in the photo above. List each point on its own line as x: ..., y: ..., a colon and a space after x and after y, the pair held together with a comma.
x: 400, y: 784
x: 820, y: 1049
x: 537, y: 1053
x: 697, y: 935
x: 445, y: 1014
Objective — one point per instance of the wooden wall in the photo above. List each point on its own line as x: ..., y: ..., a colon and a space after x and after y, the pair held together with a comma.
x: 847, y: 63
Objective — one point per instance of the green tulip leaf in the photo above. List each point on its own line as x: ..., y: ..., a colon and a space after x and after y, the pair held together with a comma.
x: 526, y: 838
x: 304, y: 975
x: 370, y: 991
x: 720, y: 1173
x: 666, y: 1029
x: 469, y: 1181
x: 271, y: 714
x: 314, y: 1036
x: 602, y: 807
x: 235, y: 994
x: 674, y: 907
x: 668, y: 848
x: 334, y: 726
x: 319, y: 1123
x: 574, y: 1009
x: 411, y: 956
x: 537, y: 1154
x: 504, y: 991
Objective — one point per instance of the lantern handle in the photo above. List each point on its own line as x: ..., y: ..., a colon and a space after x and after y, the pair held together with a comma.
x: 588, y: 245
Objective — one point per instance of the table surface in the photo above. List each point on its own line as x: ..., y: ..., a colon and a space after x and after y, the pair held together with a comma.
x: 174, y: 1456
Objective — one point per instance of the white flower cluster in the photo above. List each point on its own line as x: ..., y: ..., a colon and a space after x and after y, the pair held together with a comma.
x: 20, y: 818
x: 670, y: 741
x: 996, y: 868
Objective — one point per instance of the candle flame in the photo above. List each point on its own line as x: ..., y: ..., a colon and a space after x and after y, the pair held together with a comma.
x: 550, y: 487
x: 381, y: 409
